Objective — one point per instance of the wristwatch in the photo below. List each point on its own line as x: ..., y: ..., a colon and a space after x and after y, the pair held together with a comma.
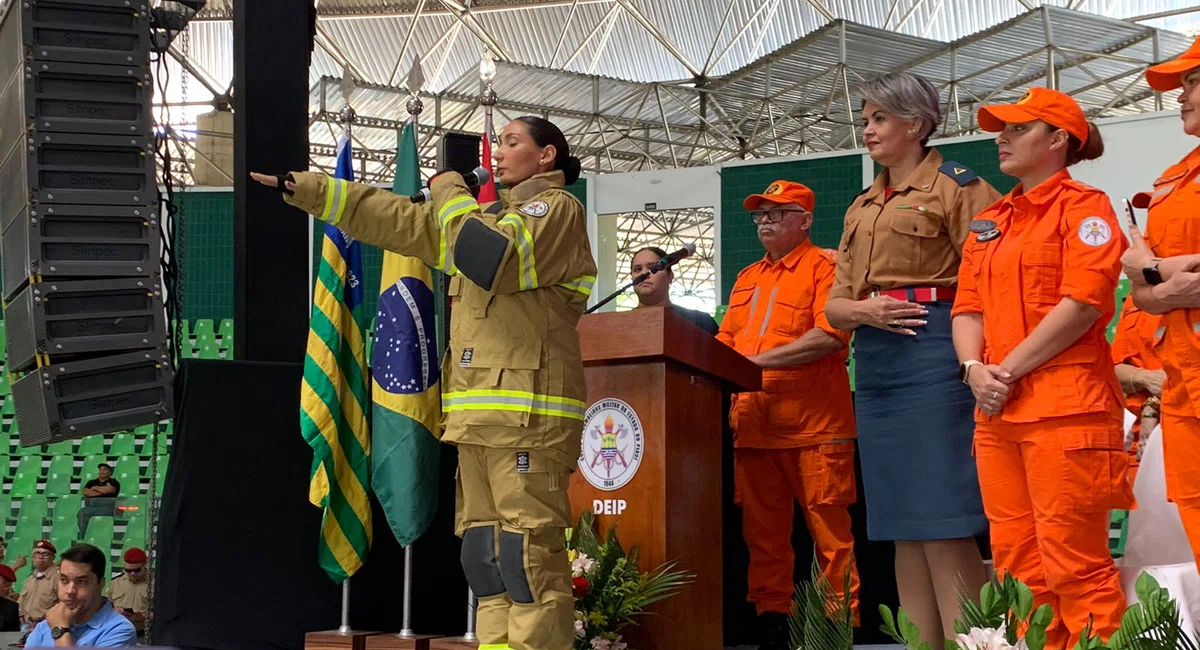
x: 964, y: 369
x: 57, y: 632
x: 1151, y: 274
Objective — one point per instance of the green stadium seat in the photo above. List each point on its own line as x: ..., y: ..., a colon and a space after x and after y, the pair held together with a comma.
x: 187, y: 350
x: 203, y: 330
x: 209, y: 350
x: 64, y: 542
x: 68, y: 508
x: 5, y: 507
x: 33, y: 506
x: 5, y: 385
x: 9, y: 408
x: 26, y: 479
x: 90, y: 470
x: 122, y: 445
x: 59, y: 476
x: 160, y: 476
x: 16, y: 548
x: 135, y: 533
x: 29, y: 527
x: 60, y: 448
x: 63, y: 528
x: 129, y: 473
x: 5, y: 463
x: 24, y: 450
x: 131, y: 507
x: 24, y: 571
x: 226, y: 332
x: 100, y: 533
x: 92, y: 445
x: 164, y: 443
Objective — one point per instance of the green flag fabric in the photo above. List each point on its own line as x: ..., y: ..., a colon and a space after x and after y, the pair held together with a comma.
x: 406, y: 386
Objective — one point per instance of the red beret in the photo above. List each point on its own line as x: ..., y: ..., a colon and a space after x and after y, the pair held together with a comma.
x: 135, y: 556
x: 7, y: 573
x: 44, y: 544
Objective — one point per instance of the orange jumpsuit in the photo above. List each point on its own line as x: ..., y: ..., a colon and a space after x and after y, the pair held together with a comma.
x: 795, y: 439
x: 1052, y: 464
x: 1133, y: 344
x: 1174, y: 229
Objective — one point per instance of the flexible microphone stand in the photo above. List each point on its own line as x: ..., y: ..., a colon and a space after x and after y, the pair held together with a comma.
x: 636, y: 280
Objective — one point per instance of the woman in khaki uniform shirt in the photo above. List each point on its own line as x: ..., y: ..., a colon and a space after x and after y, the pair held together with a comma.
x: 896, y: 273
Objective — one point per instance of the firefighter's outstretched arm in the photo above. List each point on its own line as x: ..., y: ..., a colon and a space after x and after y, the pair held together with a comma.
x: 369, y: 214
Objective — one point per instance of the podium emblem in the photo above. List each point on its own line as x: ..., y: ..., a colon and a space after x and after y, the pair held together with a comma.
x: 612, y: 444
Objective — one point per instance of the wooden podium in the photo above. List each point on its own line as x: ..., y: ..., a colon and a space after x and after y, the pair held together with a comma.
x: 652, y: 457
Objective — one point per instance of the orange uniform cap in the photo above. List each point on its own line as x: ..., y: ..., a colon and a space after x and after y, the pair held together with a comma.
x: 1167, y: 75
x: 1050, y: 106
x: 783, y: 193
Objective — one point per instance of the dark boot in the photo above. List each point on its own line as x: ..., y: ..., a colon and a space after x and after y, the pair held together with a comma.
x: 776, y: 633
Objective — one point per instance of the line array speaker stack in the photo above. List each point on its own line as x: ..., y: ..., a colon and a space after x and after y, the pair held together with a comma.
x: 86, y: 330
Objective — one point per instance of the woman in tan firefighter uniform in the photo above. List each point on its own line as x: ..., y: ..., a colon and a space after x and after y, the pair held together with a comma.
x: 513, y: 398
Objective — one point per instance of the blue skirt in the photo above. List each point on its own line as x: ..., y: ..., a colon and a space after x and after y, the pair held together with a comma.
x: 915, y: 424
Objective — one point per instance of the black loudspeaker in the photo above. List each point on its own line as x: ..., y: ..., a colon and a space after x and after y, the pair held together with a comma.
x: 79, y: 217
x: 459, y: 151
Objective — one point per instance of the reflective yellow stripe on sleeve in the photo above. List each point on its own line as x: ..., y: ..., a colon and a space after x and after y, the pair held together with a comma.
x: 513, y: 400
x: 524, y: 240
x: 582, y: 284
x: 335, y: 200
x: 452, y: 210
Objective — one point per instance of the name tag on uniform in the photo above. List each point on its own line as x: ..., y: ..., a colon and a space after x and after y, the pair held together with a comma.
x: 987, y: 236
x: 980, y: 226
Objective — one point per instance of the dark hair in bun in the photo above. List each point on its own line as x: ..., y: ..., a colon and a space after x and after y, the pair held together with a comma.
x: 545, y: 133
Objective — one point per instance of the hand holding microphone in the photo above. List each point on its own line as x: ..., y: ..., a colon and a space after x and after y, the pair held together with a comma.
x: 475, y: 179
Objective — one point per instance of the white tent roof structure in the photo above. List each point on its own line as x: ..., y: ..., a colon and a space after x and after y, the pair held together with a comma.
x: 644, y: 84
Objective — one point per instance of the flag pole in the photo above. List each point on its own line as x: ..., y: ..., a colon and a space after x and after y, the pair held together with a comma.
x: 471, y: 604
x: 346, y: 115
x: 344, y: 628
x: 414, y: 107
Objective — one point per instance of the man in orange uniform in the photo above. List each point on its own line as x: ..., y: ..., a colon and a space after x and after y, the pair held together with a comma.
x: 1035, y: 290
x: 1141, y: 374
x: 795, y: 439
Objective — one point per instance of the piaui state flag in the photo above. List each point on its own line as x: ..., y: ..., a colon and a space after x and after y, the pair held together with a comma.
x: 406, y: 386
x: 334, y: 398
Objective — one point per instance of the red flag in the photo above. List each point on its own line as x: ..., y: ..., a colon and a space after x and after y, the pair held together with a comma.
x: 488, y: 191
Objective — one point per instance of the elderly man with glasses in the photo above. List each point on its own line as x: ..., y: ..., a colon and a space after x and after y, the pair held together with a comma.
x: 794, y: 440
x: 130, y: 592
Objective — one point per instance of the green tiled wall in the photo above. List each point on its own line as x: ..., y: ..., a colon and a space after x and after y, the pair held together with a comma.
x: 980, y: 156
x: 834, y: 180
x: 204, y: 237
x: 206, y: 232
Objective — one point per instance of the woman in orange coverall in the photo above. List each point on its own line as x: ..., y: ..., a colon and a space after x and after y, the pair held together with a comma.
x: 1035, y: 290
x: 1164, y: 270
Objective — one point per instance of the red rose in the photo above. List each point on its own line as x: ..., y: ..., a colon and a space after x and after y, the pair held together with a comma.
x: 580, y: 586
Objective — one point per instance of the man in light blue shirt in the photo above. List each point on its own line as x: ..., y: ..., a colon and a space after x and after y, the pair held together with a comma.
x: 83, y: 617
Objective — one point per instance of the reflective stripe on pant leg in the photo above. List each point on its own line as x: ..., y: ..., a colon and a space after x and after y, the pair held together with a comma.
x: 479, y: 561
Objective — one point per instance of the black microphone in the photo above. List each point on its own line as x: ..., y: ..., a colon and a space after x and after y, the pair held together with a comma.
x: 474, y: 180
x: 667, y: 262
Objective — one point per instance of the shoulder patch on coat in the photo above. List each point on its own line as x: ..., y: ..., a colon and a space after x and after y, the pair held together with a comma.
x: 1094, y: 231
x: 959, y: 172
x: 535, y: 208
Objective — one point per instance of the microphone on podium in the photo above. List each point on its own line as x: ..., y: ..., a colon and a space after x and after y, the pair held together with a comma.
x: 667, y: 262
x: 475, y: 179
x: 663, y: 264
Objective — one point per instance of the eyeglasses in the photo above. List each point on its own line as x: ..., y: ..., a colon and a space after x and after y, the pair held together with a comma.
x: 134, y: 571
x: 774, y: 215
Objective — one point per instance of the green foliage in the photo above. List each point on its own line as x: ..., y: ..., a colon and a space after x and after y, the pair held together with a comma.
x: 1151, y: 624
x: 618, y: 593
x: 820, y: 619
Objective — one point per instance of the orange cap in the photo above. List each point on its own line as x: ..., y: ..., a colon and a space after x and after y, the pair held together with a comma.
x: 1166, y: 76
x: 782, y: 193
x: 1050, y: 106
